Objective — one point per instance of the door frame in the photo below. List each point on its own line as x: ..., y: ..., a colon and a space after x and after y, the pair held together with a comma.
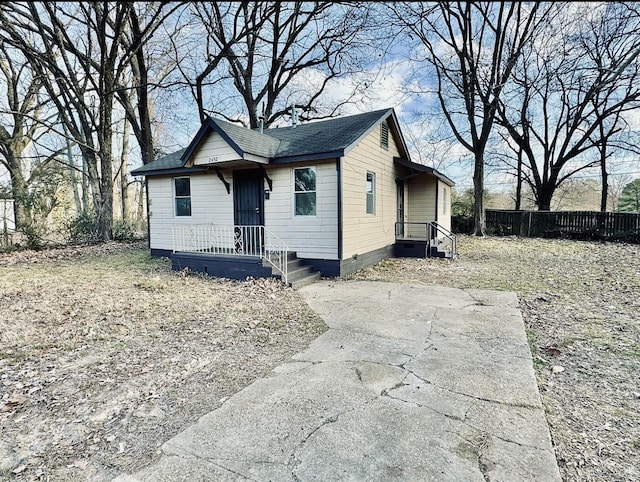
x: 241, y: 176
x: 400, y: 208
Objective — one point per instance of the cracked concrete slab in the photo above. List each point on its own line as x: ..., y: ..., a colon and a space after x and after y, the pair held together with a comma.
x: 410, y: 382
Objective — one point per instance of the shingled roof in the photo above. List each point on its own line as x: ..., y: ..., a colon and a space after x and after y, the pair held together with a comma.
x: 315, y: 140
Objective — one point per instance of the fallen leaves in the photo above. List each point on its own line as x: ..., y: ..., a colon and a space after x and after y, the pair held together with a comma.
x: 106, y: 353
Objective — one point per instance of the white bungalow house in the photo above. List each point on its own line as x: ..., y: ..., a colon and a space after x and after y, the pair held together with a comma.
x: 328, y: 197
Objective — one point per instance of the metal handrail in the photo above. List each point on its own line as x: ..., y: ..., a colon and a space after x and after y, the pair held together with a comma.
x: 434, y: 228
x: 276, y: 253
x: 401, y: 230
x: 234, y: 240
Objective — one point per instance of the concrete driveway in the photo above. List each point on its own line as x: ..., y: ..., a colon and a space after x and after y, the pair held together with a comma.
x: 411, y: 382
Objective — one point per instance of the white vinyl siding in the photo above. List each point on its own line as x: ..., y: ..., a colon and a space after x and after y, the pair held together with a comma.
x: 214, y: 150
x: 210, y: 204
x: 309, y: 236
x: 363, y: 233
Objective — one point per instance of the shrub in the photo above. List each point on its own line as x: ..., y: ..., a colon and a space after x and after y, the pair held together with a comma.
x: 123, y: 231
x: 82, y: 228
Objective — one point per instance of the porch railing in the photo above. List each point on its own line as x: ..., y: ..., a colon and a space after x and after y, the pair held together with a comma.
x: 407, y: 230
x: 431, y: 232
x: 446, y: 237
x: 236, y: 240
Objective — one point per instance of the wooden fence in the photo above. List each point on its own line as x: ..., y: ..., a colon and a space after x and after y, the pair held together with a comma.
x: 569, y: 224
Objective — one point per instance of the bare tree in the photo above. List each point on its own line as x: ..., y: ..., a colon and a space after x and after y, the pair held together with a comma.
x: 571, y: 91
x: 472, y: 48
x: 21, y: 111
x: 272, y: 55
x: 80, y: 53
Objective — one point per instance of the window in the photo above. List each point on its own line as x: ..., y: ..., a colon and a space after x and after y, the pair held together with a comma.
x: 183, y: 196
x: 304, y: 191
x: 384, y: 135
x: 371, y: 193
x: 444, y: 200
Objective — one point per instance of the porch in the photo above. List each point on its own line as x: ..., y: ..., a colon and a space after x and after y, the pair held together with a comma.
x: 424, y: 240
x: 237, y: 252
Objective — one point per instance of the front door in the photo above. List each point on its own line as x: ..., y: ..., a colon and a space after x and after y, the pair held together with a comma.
x: 248, y: 210
x: 400, y: 207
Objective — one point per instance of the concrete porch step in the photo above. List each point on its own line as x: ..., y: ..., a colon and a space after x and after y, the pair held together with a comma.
x: 304, y: 281
x: 298, y: 274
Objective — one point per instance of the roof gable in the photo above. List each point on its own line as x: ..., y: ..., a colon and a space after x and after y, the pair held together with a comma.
x: 242, y: 140
x: 315, y: 140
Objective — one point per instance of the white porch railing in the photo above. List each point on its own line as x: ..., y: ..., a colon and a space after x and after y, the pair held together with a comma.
x: 256, y: 241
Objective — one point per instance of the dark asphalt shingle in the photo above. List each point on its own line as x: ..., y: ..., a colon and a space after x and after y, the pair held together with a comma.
x: 286, y: 142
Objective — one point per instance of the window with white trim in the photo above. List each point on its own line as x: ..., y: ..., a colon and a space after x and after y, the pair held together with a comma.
x: 444, y: 200
x: 371, y: 193
x: 304, y: 191
x: 182, y: 194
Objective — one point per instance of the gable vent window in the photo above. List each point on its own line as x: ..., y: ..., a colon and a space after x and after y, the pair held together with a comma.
x: 384, y: 135
x: 183, y: 196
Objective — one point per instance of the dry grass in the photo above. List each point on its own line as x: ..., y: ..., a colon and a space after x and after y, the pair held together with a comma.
x: 581, y: 306
x: 105, y: 353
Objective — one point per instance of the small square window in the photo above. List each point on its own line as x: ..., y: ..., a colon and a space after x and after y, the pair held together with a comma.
x: 371, y: 193
x: 182, y: 187
x: 304, y: 191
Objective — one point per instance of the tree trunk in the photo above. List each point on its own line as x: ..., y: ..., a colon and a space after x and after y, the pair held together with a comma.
x: 544, y: 198
x: 141, y: 205
x: 605, y: 189
x: 519, y: 183
x: 105, y: 213
x: 73, y: 178
x: 603, y: 168
x: 124, y: 194
x: 478, y: 191
x: 20, y: 193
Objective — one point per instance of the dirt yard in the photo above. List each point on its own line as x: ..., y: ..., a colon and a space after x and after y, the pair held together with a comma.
x: 581, y: 306
x: 105, y: 353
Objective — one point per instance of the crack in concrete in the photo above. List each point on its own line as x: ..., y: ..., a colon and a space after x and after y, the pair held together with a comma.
x: 385, y: 393
x: 474, y: 397
x: 293, y: 461
x: 462, y: 420
x: 216, y: 464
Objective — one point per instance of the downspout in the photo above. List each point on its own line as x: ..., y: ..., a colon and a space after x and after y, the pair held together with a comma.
x: 339, y: 186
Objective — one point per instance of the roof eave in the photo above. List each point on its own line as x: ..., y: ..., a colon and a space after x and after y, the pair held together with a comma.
x: 206, y: 126
x: 320, y: 156
x: 424, y: 169
x: 168, y: 171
